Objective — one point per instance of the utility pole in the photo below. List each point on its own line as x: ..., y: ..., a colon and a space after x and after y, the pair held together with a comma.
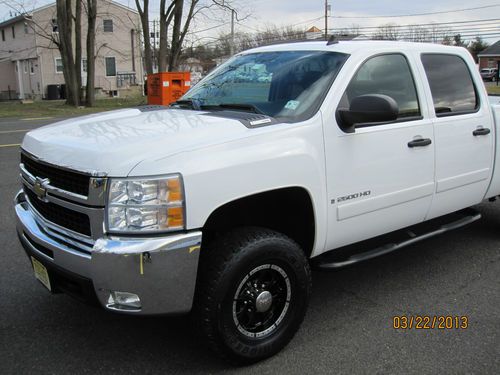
x: 233, y: 14
x: 154, y: 45
x: 232, y: 32
x: 326, y: 19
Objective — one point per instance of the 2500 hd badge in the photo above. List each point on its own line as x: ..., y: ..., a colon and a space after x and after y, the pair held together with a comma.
x: 352, y: 196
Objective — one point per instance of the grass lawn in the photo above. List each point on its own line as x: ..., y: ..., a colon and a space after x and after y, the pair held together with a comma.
x: 58, y: 108
x: 493, y: 89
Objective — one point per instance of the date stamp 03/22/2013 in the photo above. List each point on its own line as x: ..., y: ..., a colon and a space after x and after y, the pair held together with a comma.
x: 443, y: 322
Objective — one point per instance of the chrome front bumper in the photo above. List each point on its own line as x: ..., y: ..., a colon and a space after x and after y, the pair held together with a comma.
x: 160, y: 270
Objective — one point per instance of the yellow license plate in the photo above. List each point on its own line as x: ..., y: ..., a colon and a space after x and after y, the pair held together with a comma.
x: 41, y: 273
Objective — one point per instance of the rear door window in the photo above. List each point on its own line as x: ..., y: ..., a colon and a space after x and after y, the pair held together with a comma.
x: 453, y: 91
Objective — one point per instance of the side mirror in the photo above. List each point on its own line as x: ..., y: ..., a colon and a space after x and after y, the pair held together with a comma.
x: 366, y: 109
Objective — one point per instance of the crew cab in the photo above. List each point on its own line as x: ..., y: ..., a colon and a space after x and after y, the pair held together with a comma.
x: 286, y: 156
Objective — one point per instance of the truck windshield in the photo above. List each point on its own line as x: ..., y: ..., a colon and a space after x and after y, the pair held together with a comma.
x: 289, y: 85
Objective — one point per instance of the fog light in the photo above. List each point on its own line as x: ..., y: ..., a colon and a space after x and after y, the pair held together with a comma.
x: 124, y: 301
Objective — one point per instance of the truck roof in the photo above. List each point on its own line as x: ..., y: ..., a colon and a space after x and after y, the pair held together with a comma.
x: 350, y: 47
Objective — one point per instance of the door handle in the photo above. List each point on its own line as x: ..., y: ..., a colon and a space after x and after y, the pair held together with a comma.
x: 481, y: 131
x: 421, y: 142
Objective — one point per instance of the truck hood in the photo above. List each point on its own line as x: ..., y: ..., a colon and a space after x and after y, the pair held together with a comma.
x: 112, y: 143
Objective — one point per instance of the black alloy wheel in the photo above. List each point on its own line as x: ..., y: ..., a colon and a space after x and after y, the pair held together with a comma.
x: 252, y: 293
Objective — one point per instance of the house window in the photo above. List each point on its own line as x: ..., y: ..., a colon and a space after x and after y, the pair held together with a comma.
x: 32, y: 67
x: 84, y: 65
x: 55, y: 28
x: 110, y: 67
x: 108, y: 26
x: 3, y: 35
x: 26, y: 28
x: 59, y: 65
x: 13, y: 33
x: 25, y: 66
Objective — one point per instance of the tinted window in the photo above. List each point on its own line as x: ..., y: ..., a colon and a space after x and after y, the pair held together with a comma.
x: 388, y: 75
x: 289, y: 85
x: 451, y: 84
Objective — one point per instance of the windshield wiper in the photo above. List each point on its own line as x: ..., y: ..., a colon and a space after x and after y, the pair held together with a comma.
x: 190, y: 103
x: 241, y: 107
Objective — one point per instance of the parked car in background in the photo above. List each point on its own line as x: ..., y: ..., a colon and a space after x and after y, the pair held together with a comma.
x: 489, y: 74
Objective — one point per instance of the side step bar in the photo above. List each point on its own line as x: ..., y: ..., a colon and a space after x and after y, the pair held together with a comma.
x: 409, y: 236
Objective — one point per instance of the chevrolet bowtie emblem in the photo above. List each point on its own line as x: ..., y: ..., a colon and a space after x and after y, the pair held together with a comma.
x: 39, y: 187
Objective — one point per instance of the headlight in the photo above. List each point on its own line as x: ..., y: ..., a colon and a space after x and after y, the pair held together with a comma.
x: 145, y: 205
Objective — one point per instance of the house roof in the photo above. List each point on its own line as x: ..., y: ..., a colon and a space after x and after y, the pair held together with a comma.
x: 14, y: 20
x: 494, y: 49
x: 313, y: 29
x: 27, y: 16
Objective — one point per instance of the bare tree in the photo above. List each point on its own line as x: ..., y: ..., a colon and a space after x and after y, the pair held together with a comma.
x: 243, y: 41
x: 179, y: 30
x: 148, y: 52
x: 166, y: 15
x: 78, y: 50
x: 415, y: 33
x: 387, y: 32
x: 177, y: 16
x: 65, y: 24
x: 91, y: 38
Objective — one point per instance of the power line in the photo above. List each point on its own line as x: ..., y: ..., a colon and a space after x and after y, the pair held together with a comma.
x: 466, y: 28
x: 400, y: 36
x: 429, y: 24
x: 448, y: 26
x: 210, y: 28
x: 423, y: 14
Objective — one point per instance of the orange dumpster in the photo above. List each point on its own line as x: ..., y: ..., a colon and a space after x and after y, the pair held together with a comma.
x: 165, y: 88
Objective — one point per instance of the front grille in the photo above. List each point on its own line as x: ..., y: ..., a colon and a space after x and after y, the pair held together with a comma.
x: 74, y: 182
x: 65, y: 217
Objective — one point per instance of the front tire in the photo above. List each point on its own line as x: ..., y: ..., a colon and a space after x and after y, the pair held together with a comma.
x: 252, y: 293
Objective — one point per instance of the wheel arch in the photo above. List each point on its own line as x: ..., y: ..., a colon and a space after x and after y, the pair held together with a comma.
x: 288, y: 210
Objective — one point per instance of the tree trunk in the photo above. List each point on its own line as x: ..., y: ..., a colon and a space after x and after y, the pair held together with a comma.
x: 166, y: 15
x: 78, y: 49
x: 65, y: 24
x: 176, y: 35
x: 91, y: 20
x: 144, y: 14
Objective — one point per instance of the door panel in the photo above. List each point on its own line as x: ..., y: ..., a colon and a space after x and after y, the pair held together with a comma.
x: 463, y: 163
x: 463, y: 154
x: 377, y: 181
x: 387, y: 184
x: 349, y: 210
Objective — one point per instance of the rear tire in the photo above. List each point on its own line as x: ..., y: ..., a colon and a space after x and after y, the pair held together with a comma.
x: 252, y: 293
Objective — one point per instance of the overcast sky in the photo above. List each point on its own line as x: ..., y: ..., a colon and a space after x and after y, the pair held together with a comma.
x: 307, y: 13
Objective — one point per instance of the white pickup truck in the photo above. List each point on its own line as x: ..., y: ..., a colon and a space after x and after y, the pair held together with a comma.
x: 286, y: 155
